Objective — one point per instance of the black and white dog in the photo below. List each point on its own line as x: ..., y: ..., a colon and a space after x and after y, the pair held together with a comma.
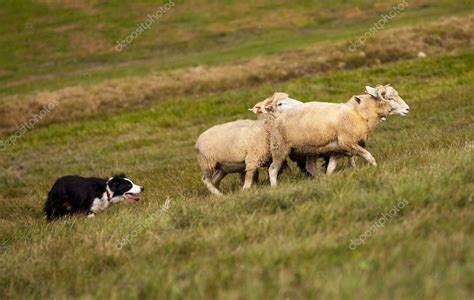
x: 75, y: 194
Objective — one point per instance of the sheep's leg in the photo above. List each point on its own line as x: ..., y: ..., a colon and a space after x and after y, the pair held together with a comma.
x: 218, y: 176
x: 352, y: 162
x: 358, y: 150
x: 279, y: 156
x: 242, y: 177
x: 332, y: 164
x: 280, y: 152
x: 325, y: 157
x: 302, y: 166
x: 284, y: 168
x: 249, y: 177
x: 255, y: 177
x: 311, y: 164
x: 274, y: 170
x: 300, y: 162
x: 207, y: 180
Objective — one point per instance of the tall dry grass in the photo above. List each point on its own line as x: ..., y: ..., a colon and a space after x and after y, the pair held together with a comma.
x: 132, y: 92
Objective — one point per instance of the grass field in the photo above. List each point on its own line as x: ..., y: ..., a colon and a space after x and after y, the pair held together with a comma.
x: 291, y: 242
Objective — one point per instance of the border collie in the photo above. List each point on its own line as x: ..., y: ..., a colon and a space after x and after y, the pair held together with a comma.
x: 74, y: 194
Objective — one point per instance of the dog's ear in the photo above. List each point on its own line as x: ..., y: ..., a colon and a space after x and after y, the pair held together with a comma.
x: 115, y: 181
x: 120, y: 175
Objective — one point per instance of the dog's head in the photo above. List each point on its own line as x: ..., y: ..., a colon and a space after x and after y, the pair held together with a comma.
x: 120, y: 188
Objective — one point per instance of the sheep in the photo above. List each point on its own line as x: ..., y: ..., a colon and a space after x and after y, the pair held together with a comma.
x: 279, y: 104
x: 236, y: 147
x: 275, y: 104
x: 312, y: 129
x: 307, y: 164
x: 267, y: 106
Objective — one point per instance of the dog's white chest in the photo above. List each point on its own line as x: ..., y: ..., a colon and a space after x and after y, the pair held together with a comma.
x: 99, y: 204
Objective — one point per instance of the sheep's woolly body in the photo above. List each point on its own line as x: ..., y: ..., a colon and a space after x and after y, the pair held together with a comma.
x: 314, y: 128
x: 279, y: 103
x: 233, y: 144
x: 234, y: 147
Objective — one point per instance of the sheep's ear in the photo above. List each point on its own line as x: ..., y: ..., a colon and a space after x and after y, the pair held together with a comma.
x: 279, y: 96
x: 251, y: 109
x: 269, y: 107
x: 372, y: 92
x: 358, y: 99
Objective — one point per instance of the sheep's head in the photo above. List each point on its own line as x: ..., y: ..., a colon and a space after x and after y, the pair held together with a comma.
x: 278, y: 103
x: 263, y: 107
x: 286, y: 104
x: 388, y: 94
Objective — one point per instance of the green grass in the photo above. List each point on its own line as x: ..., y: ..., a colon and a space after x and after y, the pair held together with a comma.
x: 291, y: 242
x: 52, y: 46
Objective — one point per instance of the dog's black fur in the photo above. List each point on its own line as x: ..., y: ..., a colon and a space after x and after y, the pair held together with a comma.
x: 75, y: 194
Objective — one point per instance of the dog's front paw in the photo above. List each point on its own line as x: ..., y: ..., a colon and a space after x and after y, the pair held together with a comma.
x: 91, y: 215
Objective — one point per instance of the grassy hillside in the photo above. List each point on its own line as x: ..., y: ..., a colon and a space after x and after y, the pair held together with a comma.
x: 55, y: 43
x: 291, y: 242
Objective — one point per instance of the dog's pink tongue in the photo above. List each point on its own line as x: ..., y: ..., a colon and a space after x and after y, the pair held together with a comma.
x: 133, y: 197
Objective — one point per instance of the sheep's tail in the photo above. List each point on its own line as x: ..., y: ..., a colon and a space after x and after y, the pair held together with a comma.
x: 207, y: 164
x: 208, y: 167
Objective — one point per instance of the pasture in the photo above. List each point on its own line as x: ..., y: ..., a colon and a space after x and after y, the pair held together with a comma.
x: 204, y: 63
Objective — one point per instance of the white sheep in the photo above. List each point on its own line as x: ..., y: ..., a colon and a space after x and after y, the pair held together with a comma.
x: 275, y: 104
x: 279, y: 103
x: 236, y: 147
x: 312, y: 129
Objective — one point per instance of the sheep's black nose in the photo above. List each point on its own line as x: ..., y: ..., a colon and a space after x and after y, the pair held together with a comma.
x: 142, y: 188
